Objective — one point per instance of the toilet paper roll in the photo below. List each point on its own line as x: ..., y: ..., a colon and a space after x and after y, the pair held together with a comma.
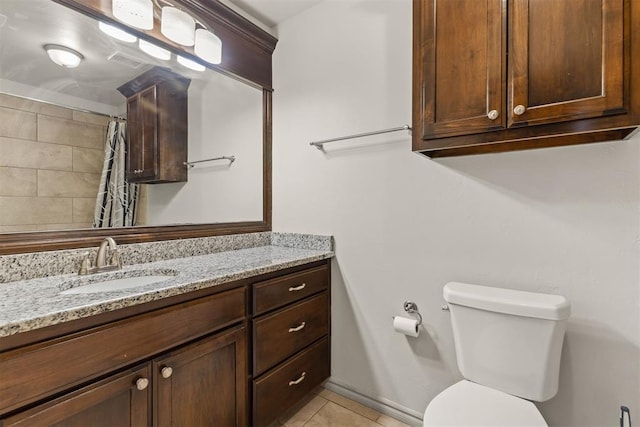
x: 406, y: 326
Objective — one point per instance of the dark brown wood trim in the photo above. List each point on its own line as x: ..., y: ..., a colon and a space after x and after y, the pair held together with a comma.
x: 266, y: 154
x: 14, y: 243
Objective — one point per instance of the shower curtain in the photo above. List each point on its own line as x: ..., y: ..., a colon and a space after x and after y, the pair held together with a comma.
x: 117, y: 199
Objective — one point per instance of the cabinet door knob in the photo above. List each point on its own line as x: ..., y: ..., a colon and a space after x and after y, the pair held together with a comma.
x: 493, y: 114
x: 298, y: 328
x: 519, y: 110
x: 166, y: 372
x: 142, y: 383
x: 298, y: 381
x: 297, y: 288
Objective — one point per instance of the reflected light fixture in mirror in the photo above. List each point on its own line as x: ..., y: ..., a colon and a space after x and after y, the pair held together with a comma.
x: 192, y: 65
x: 153, y: 50
x: 63, y: 56
x: 116, y: 33
x: 208, y: 46
x: 178, y: 26
x: 137, y: 13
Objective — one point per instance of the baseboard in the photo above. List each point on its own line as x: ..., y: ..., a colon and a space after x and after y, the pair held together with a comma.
x: 380, y: 404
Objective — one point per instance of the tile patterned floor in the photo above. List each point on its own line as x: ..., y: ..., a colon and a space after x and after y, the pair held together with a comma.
x: 328, y: 409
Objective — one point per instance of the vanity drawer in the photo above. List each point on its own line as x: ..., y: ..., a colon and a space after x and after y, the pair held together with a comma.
x: 285, y: 385
x: 283, y: 333
x: 281, y: 291
x: 37, y: 371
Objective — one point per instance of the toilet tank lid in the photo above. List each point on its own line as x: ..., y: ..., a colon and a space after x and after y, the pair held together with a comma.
x: 508, y: 301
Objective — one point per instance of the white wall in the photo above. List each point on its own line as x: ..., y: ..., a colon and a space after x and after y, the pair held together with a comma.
x: 225, y: 119
x: 562, y: 220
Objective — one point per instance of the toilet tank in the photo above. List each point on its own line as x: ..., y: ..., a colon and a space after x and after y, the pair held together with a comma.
x: 508, y: 340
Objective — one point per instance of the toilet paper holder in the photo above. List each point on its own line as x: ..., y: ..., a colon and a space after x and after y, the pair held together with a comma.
x: 412, y: 308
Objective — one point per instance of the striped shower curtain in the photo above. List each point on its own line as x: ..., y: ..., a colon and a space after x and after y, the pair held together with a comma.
x: 117, y: 199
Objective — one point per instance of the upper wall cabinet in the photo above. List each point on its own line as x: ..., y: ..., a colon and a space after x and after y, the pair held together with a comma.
x: 502, y: 75
x: 157, y: 127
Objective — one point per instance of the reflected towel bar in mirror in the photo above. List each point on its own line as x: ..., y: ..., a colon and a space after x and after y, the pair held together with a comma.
x: 193, y: 164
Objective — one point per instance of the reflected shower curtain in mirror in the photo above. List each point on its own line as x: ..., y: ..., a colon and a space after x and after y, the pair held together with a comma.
x: 117, y: 199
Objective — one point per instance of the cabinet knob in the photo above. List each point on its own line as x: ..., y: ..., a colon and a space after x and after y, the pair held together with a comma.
x: 166, y: 372
x: 298, y: 328
x: 297, y: 288
x: 142, y: 383
x: 519, y: 110
x: 493, y: 114
x: 298, y: 381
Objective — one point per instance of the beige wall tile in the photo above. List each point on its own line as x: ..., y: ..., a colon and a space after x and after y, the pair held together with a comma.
x: 83, y: 209
x: 56, y: 227
x: 17, y: 228
x: 69, y: 132
x: 96, y: 119
x: 36, y: 155
x: 33, y: 106
x: 67, y: 184
x: 18, y: 182
x: 87, y: 160
x: 35, y: 210
x: 17, y: 124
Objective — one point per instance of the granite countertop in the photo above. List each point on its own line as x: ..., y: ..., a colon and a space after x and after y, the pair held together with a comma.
x: 36, y: 303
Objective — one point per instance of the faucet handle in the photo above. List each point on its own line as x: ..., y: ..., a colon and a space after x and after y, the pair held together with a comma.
x: 115, y: 259
x: 85, y: 265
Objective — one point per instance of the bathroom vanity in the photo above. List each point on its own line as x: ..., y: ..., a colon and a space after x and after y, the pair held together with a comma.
x: 237, y: 337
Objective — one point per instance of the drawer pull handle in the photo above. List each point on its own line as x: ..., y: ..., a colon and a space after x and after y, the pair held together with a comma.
x: 142, y: 383
x: 298, y: 381
x: 298, y: 288
x: 298, y: 328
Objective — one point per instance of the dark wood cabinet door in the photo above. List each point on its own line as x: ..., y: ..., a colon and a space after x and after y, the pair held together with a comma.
x: 121, y: 400
x: 203, y: 384
x: 565, y: 60
x: 460, y: 66
x: 134, y: 138
x: 149, y: 127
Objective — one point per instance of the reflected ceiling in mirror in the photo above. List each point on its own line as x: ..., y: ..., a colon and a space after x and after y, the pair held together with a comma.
x: 52, y: 128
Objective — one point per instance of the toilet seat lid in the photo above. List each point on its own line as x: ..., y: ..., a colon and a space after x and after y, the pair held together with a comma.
x: 470, y: 404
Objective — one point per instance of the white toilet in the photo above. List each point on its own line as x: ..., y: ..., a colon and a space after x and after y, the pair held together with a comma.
x: 508, y: 346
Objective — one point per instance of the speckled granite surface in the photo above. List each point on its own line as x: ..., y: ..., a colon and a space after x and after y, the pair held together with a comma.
x: 53, y: 263
x: 31, y: 304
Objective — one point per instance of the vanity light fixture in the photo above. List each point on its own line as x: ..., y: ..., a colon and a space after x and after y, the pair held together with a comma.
x: 208, y: 46
x: 153, y: 50
x: 137, y: 13
x: 190, y: 64
x: 178, y: 26
x: 117, y: 33
x: 63, y: 56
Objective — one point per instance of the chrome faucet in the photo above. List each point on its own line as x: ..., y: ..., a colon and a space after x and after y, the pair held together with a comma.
x: 100, y: 264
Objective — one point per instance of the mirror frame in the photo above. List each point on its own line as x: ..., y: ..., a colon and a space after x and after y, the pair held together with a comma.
x: 247, y: 57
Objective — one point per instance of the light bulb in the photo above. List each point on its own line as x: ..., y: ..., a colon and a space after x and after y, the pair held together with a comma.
x: 208, y: 46
x: 191, y: 64
x: 63, y: 56
x: 178, y: 26
x: 116, y: 33
x: 153, y: 50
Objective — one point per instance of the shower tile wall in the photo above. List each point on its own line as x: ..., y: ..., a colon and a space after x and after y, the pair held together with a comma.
x: 50, y: 164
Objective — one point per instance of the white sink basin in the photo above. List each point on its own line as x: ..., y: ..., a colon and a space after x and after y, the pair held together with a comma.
x: 110, y: 283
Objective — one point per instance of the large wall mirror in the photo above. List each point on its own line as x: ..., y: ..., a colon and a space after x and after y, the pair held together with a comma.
x: 54, y: 122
